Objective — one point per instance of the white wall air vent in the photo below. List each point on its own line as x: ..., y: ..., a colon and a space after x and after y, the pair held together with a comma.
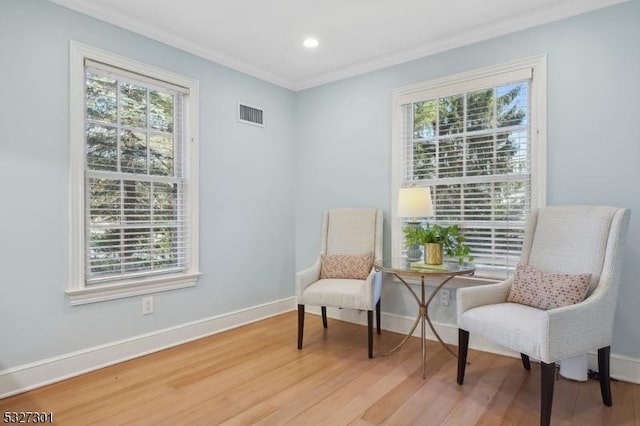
x: 250, y: 115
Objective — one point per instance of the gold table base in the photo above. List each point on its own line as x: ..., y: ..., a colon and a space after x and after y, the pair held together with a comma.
x: 423, y: 316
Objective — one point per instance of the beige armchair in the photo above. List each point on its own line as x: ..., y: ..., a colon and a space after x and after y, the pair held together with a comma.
x: 572, y: 240
x: 346, y: 231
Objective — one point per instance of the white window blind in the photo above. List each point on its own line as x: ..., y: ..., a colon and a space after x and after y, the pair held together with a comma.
x: 471, y: 144
x: 136, y: 207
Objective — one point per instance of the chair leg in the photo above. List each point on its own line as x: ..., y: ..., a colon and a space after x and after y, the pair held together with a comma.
x: 525, y: 362
x: 463, y: 347
x: 548, y: 376
x: 324, y: 316
x: 604, y: 355
x: 370, y: 332
x: 378, y: 316
x: 300, y: 325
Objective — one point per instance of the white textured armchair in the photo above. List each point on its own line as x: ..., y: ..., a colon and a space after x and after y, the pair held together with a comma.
x: 571, y: 240
x: 345, y: 231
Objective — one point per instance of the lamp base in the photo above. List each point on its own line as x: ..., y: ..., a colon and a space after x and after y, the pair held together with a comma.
x: 414, y: 253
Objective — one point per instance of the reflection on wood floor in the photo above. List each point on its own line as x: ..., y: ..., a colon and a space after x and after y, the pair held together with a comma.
x: 255, y: 375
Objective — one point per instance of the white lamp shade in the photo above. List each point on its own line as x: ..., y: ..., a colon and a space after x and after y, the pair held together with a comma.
x: 415, y: 202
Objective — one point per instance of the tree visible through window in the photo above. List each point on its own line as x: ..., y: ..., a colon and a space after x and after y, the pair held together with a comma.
x: 134, y: 181
x: 473, y: 148
x: 133, y: 137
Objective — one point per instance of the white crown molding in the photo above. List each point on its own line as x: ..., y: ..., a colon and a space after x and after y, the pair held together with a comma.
x: 559, y: 11
x: 166, y: 37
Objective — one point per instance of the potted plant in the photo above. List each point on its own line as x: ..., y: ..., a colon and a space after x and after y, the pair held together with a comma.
x: 438, y: 240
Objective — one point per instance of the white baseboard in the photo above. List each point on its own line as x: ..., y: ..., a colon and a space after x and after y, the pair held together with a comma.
x: 622, y: 368
x: 40, y: 373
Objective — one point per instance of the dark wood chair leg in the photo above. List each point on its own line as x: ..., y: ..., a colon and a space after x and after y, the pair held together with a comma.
x: 604, y: 355
x: 300, y: 325
x: 370, y: 332
x: 548, y: 376
x: 378, y: 316
x: 525, y: 362
x: 463, y: 347
x: 324, y: 316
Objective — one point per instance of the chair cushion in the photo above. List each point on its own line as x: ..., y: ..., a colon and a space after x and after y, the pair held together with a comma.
x: 349, y: 294
x: 345, y: 266
x: 497, y: 323
x: 547, y: 290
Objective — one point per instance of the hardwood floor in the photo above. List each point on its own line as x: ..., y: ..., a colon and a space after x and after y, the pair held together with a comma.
x: 256, y: 375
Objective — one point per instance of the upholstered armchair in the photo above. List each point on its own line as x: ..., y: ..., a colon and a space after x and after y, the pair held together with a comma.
x: 351, y: 235
x: 563, y: 240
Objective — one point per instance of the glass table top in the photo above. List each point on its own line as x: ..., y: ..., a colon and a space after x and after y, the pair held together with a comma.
x: 400, y: 265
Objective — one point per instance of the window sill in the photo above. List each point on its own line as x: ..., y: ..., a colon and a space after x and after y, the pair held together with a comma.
x: 101, y: 293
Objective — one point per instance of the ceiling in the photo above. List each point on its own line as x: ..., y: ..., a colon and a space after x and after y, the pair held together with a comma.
x: 264, y: 38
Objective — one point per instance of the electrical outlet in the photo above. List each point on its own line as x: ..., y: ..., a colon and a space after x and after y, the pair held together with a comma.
x: 147, y: 305
x: 444, y: 297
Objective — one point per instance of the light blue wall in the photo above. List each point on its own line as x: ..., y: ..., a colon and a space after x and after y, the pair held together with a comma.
x: 246, y: 190
x: 324, y: 147
x: 593, y: 147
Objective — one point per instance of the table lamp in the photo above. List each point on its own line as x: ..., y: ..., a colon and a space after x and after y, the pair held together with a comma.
x: 413, y: 203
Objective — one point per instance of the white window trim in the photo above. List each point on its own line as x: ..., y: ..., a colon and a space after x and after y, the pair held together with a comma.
x: 463, y: 81
x: 78, y: 293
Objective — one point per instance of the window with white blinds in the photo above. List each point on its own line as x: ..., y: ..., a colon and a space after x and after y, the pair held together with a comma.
x: 471, y: 142
x: 137, y: 209
x: 138, y: 178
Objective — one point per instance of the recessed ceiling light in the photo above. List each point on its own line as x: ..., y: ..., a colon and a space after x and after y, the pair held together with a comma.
x: 310, y: 43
